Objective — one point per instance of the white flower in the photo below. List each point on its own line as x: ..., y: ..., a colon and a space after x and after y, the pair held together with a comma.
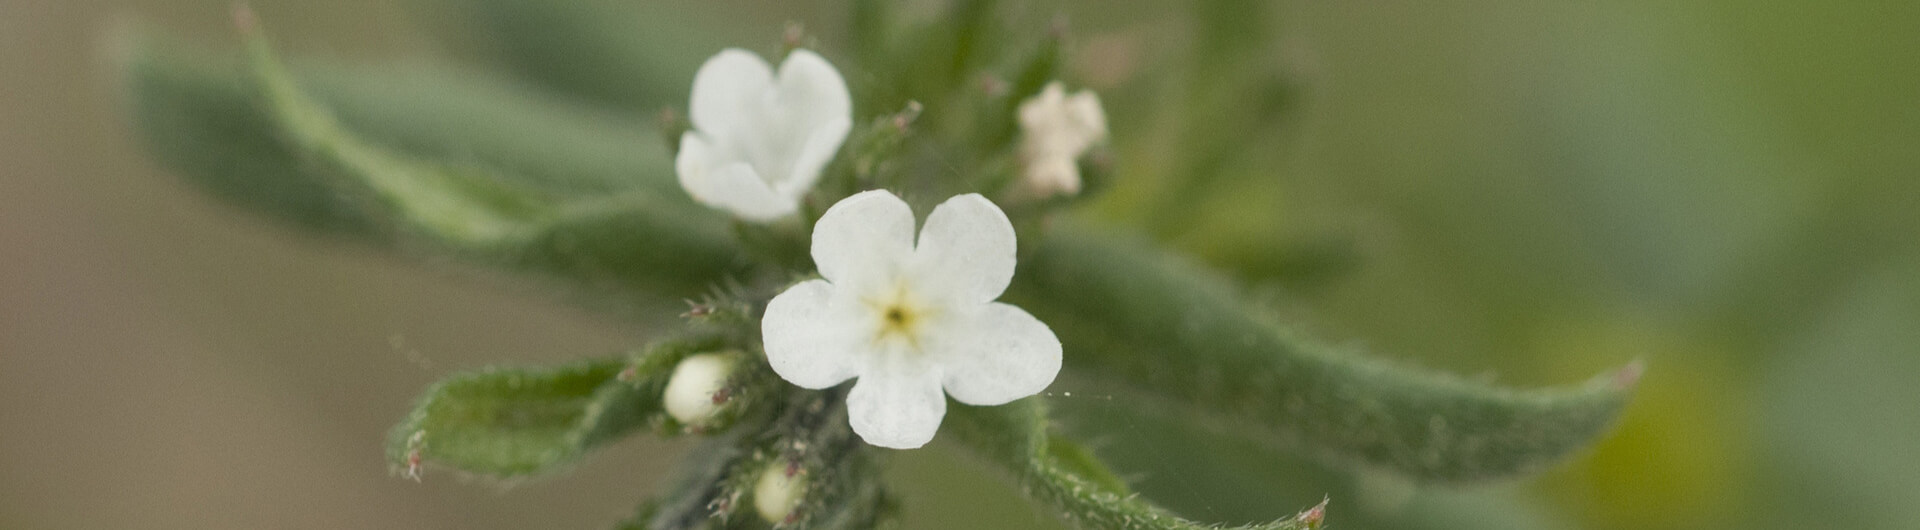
x: 1055, y: 130
x: 909, y: 320
x: 690, y: 396
x: 759, y: 140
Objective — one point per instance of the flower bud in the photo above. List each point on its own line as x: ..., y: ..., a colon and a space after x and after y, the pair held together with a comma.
x: 693, y: 394
x: 778, y: 492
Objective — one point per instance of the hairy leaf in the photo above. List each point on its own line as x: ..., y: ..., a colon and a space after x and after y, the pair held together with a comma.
x: 1067, y: 479
x: 199, y: 117
x: 1165, y: 333
x: 503, y: 422
x: 1238, y: 478
x: 635, y: 56
x: 479, y: 170
x: 507, y: 422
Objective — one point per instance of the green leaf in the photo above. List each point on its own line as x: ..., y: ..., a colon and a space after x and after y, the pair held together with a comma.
x: 199, y: 118
x: 1029, y: 74
x: 1235, y: 478
x: 1163, y: 333
x: 449, y: 164
x: 503, y: 422
x: 975, y: 36
x: 1230, y: 34
x: 1067, y: 479
x: 1234, y: 97
x: 508, y: 422
x: 459, y: 206
x: 634, y: 56
x: 872, y: 31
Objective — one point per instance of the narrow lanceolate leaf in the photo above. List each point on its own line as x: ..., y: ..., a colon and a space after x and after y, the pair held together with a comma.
x: 1147, y: 327
x: 1066, y: 478
x: 633, y: 56
x: 509, y: 422
x: 446, y: 163
x: 199, y: 118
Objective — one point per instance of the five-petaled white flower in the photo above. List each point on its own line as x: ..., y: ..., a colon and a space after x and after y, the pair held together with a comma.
x: 910, y: 319
x: 1055, y: 130
x: 759, y: 140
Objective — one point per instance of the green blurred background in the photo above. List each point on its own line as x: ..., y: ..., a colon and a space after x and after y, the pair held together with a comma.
x: 1531, y: 192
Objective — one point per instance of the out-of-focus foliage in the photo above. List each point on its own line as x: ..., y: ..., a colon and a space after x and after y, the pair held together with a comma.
x: 1721, y: 188
x: 1537, y: 188
x: 1184, y: 341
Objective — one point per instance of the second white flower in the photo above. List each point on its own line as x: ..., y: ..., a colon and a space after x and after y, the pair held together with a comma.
x: 761, y: 138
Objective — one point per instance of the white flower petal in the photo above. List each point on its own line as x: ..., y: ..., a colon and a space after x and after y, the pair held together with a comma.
x: 899, y: 409
x: 727, y: 184
x: 814, y: 155
x: 966, y: 251
x: 912, y: 323
x: 815, y: 91
x: 810, y: 338
x: 861, y: 240
x: 998, y: 355
x: 1088, y: 117
x: 1038, y: 111
x: 1052, y: 176
x: 727, y: 91
x: 784, y: 126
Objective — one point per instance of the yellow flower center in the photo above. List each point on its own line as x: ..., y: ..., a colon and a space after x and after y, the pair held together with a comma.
x: 901, y: 317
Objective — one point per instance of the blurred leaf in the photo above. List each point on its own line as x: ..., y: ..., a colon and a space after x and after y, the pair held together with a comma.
x: 1842, y: 410
x: 564, y: 201
x: 459, y: 206
x: 1069, y: 480
x: 1031, y: 69
x: 1234, y: 95
x: 939, y: 61
x: 199, y: 117
x: 975, y: 38
x: 1229, y: 34
x: 1162, y: 333
x: 497, y: 124
x: 635, y: 56
x: 1261, y: 255
x: 872, y: 30
x: 507, y: 422
x: 1239, y: 478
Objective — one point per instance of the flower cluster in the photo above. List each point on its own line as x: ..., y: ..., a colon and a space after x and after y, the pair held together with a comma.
x: 912, y: 319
